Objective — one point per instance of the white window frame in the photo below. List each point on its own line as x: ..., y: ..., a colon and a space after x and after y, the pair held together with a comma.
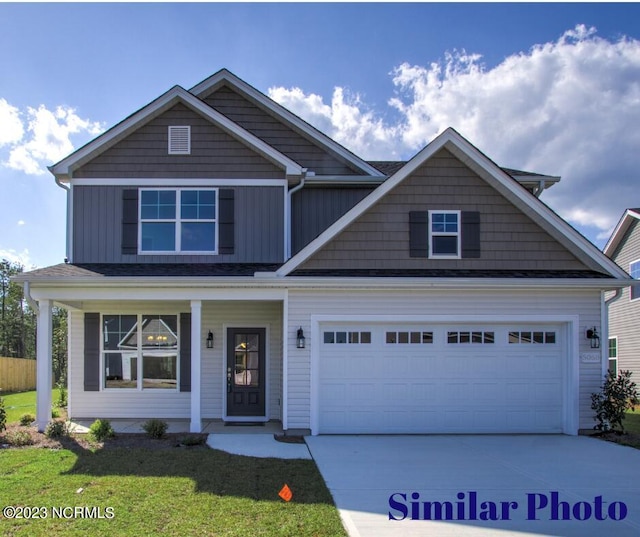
x: 139, y: 352
x: 631, y: 298
x: 177, y: 221
x: 457, y: 234
x: 170, y: 139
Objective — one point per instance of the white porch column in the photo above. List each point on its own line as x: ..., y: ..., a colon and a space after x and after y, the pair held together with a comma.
x: 43, y: 365
x: 196, y: 345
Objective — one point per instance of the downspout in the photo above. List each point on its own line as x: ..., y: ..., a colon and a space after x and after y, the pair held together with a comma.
x: 540, y: 189
x: 605, y: 328
x: 30, y: 300
x: 69, y: 223
x: 289, y: 212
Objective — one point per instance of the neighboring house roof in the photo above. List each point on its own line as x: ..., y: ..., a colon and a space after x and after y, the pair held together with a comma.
x: 222, y: 77
x: 629, y: 216
x: 497, y: 178
x: 64, y: 169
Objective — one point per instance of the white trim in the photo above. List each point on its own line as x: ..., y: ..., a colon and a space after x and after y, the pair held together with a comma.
x: 619, y: 231
x: 43, y: 364
x: 267, y: 364
x: 64, y: 169
x: 181, y: 182
x: 195, y: 425
x: 571, y: 370
x: 457, y: 234
x: 232, y: 80
x: 496, y: 177
x: 284, y: 398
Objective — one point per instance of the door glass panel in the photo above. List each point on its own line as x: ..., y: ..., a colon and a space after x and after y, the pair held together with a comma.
x: 247, y: 360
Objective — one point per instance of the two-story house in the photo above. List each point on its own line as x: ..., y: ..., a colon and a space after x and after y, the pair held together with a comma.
x: 623, y: 247
x: 227, y: 261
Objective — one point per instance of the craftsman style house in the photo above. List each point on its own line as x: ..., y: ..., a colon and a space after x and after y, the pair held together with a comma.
x: 227, y: 261
x: 624, y: 309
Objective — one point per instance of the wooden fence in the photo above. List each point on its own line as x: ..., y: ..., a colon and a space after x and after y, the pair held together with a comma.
x: 17, y: 375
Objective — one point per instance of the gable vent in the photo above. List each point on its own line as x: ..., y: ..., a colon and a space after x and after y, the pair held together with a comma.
x: 180, y: 140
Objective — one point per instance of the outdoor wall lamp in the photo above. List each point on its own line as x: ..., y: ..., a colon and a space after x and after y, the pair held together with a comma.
x: 210, y: 340
x: 300, y: 339
x: 592, y: 334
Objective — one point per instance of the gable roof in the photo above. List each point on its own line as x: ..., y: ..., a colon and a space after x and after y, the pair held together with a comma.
x: 497, y: 178
x: 225, y: 77
x: 63, y: 170
x: 629, y: 216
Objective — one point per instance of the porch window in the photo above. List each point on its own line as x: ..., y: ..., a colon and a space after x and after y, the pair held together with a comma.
x: 613, y: 356
x: 145, y: 358
x: 178, y: 221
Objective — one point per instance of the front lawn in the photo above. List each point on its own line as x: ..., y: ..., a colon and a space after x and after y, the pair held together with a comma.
x: 178, y: 491
x: 17, y: 404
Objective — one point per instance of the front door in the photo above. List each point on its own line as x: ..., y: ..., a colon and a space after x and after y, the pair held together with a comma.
x: 246, y: 372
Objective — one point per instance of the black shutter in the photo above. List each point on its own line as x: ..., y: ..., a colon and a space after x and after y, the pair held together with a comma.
x: 418, y: 234
x: 470, y: 234
x: 226, y: 214
x: 130, y: 222
x: 185, y: 352
x: 91, y: 352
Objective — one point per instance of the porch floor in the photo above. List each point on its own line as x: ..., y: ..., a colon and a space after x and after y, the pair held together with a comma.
x: 129, y: 425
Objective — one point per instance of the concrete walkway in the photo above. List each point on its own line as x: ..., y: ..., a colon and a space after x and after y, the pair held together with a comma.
x: 374, y: 480
x: 257, y: 445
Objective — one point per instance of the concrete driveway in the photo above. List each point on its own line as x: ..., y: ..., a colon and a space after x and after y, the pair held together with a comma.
x: 495, y: 485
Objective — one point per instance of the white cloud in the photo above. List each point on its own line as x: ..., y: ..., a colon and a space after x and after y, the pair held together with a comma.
x: 569, y: 107
x: 11, y: 129
x: 21, y: 222
x: 24, y: 258
x: 47, y: 139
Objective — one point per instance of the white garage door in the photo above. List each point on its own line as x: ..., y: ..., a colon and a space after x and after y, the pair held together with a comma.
x: 426, y: 378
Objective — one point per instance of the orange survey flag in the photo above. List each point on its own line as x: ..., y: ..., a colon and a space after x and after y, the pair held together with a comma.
x: 285, y: 493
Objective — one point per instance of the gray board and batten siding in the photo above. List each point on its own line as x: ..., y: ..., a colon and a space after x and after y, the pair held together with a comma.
x: 381, y: 239
x: 624, y: 314
x: 214, y: 153
x: 259, y: 122
x: 258, y: 233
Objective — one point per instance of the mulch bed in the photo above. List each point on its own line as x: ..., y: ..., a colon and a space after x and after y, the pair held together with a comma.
x: 17, y: 436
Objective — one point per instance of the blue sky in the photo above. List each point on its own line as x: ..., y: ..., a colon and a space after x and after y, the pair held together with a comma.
x: 553, y: 88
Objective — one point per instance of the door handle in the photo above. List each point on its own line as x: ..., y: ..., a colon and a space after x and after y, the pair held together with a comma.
x: 228, y: 380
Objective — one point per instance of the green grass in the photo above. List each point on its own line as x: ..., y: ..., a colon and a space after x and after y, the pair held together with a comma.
x: 632, y: 421
x: 17, y: 404
x: 177, y: 492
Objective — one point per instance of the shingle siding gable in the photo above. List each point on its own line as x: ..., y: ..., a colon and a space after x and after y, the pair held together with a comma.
x: 214, y: 153
x: 274, y: 132
x: 380, y: 238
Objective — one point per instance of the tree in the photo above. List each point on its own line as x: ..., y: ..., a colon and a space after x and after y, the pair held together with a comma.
x: 59, y: 345
x: 17, y: 319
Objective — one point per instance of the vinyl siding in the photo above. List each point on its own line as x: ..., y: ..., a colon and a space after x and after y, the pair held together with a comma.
x: 624, y: 315
x: 97, y: 228
x: 170, y: 404
x: 315, y: 209
x: 276, y: 133
x: 304, y: 304
x: 379, y: 239
x: 214, y: 153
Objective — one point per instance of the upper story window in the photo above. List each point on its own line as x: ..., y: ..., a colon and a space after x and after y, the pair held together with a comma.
x: 178, y: 221
x: 444, y: 234
x: 634, y: 272
x: 179, y: 140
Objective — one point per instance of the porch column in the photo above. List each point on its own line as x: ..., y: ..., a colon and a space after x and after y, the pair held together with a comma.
x: 43, y: 365
x: 196, y: 344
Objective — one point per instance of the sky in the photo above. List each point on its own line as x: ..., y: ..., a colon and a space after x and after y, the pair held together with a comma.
x: 550, y: 88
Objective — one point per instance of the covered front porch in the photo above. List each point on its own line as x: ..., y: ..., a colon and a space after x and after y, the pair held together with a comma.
x: 196, y: 358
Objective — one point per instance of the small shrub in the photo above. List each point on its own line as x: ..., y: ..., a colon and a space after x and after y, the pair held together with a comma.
x: 55, y: 413
x: 155, y: 428
x: 192, y: 440
x: 62, y: 396
x: 101, y: 430
x: 27, y: 419
x: 616, y: 396
x: 18, y: 438
x: 3, y: 416
x: 56, y: 429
